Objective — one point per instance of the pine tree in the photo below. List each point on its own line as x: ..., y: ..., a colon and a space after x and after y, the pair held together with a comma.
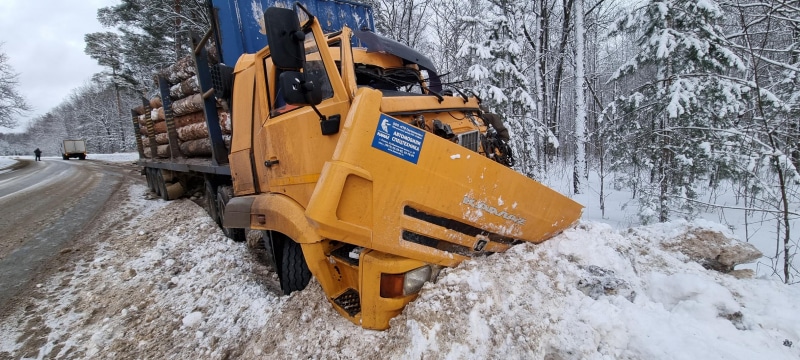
x: 497, y: 69
x: 678, y: 128
x: 150, y: 35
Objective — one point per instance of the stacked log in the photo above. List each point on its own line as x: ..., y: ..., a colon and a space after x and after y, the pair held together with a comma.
x: 155, y: 102
x: 202, y: 147
x: 184, y: 88
x: 187, y: 110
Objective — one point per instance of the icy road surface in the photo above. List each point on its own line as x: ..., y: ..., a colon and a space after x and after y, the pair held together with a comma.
x: 45, y: 204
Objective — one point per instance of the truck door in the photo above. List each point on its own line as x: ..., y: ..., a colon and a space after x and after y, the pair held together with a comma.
x: 293, y: 145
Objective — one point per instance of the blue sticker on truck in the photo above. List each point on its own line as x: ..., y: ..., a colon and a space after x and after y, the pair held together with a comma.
x: 398, y: 138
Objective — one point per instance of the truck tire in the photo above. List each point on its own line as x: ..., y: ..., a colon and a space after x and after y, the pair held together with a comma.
x: 269, y: 249
x: 154, y: 180
x: 162, y: 185
x: 225, y: 193
x: 294, y: 270
x: 211, y: 202
x: 149, y: 177
x: 286, y: 257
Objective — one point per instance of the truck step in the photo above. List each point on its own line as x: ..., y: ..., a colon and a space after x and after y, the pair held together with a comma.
x: 346, y: 253
x: 349, y: 301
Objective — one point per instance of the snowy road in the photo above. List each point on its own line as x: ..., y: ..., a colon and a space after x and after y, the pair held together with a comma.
x: 45, y: 205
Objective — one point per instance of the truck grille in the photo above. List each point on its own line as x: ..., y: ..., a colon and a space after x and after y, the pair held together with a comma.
x: 437, y: 244
x: 349, y: 301
x: 469, y: 140
x: 454, y: 225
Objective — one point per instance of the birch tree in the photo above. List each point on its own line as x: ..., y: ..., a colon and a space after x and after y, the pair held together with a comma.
x: 579, y: 168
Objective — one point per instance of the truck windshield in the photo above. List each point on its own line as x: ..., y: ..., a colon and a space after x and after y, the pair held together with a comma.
x: 313, y: 69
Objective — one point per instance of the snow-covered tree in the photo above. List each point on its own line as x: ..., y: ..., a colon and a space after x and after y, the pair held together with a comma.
x: 405, y: 21
x: 678, y: 126
x: 767, y: 37
x: 579, y: 168
x: 11, y: 102
x: 498, y: 69
x: 148, y: 35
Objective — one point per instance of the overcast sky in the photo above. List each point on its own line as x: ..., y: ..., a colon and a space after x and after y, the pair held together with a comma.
x: 44, y: 43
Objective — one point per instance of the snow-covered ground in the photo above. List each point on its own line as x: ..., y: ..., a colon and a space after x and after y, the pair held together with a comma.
x: 163, y: 282
x: 6, y: 162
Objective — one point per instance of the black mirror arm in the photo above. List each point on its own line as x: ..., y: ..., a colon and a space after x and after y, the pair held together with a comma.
x: 480, y: 101
x: 306, y: 88
x: 463, y: 96
x: 438, y: 96
x: 321, y: 117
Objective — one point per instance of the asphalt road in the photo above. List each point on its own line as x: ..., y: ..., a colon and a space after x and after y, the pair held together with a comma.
x: 43, y: 206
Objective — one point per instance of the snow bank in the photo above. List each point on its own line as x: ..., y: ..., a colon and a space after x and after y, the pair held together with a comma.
x: 594, y: 292
x: 117, y: 157
x: 6, y: 162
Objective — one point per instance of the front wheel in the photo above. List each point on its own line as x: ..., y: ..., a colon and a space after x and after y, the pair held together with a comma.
x: 294, y: 270
x: 286, y: 257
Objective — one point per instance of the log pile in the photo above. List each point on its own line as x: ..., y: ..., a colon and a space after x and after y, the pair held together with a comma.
x: 187, y: 109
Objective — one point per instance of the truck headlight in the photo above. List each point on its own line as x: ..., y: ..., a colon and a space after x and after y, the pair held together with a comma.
x: 409, y: 283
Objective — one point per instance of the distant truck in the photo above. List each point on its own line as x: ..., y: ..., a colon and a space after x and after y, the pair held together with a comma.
x: 73, y: 149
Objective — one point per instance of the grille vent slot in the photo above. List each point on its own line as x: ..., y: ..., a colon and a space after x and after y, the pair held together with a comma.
x: 469, y: 140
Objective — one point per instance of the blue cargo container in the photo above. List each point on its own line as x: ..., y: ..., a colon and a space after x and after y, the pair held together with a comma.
x: 240, y: 23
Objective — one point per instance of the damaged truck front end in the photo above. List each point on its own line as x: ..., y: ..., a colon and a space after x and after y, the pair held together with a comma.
x: 362, y: 172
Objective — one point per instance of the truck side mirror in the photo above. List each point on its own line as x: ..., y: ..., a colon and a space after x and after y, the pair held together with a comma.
x: 297, y: 90
x: 285, y: 38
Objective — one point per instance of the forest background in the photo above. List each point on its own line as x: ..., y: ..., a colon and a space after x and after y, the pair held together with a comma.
x: 673, y: 101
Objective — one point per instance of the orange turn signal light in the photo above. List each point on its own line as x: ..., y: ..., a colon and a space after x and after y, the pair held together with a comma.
x: 392, y: 285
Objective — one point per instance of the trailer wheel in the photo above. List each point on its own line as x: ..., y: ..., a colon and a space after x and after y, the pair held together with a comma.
x: 161, y: 186
x: 82, y: 157
x: 225, y: 193
x: 163, y: 177
x: 149, y: 178
x: 65, y: 157
x: 211, y: 202
x: 152, y: 180
x: 286, y: 257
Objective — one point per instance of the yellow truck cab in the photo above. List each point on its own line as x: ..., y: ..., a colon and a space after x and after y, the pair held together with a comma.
x: 361, y: 173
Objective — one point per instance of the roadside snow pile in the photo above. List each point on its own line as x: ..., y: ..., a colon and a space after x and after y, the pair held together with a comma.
x: 169, y: 285
x: 115, y: 157
x: 594, y: 292
x: 6, y: 162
